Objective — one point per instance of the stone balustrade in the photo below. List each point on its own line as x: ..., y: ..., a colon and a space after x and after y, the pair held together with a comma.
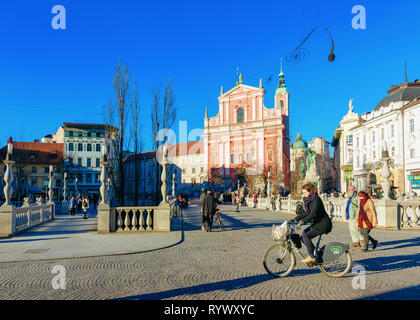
x: 133, y: 218
x: 400, y: 213
x: 19, y: 219
x: 409, y: 212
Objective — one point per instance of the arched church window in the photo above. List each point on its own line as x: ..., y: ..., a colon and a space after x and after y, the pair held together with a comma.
x: 240, y: 115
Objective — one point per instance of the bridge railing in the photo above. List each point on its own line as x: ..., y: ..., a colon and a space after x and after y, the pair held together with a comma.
x: 14, y: 220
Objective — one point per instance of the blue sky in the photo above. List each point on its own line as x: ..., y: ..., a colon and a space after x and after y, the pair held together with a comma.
x: 53, y: 76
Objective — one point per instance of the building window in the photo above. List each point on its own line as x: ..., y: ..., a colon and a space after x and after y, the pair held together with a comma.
x: 374, y: 155
x: 89, y: 162
x: 412, y: 125
x: 193, y: 170
x: 98, y: 147
x: 98, y: 163
x: 393, y: 151
x: 202, y: 170
x: 34, y: 182
x: 89, y: 147
x: 70, y: 133
x: 80, y: 134
x: 358, y: 161
x: 357, y: 142
x: 79, y: 177
x: 392, y: 131
x: 240, y: 115
x: 58, y: 183
x: 412, y: 153
x: 88, y: 177
x: 79, y: 162
x: 33, y: 169
x: 349, y: 139
x: 71, y: 162
x: 373, y: 136
x: 98, y: 134
x: 97, y: 177
x: 89, y: 134
x: 232, y: 158
x: 80, y: 147
x: 71, y: 147
x: 46, y: 170
x: 383, y: 133
x: 248, y: 157
x: 183, y: 171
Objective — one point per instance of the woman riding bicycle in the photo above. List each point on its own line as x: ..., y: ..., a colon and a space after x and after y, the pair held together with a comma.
x: 313, y: 212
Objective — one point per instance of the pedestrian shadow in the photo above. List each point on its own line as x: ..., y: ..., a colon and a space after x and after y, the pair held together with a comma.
x: 409, y: 293
x: 404, y: 243
x: 226, y: 285
x: 390, y: 263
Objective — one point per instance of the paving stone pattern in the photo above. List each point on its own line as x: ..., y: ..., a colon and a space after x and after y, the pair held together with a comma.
x: 222, y: 265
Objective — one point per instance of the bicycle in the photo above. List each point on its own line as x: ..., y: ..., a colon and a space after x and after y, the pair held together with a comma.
x: 334, y: 259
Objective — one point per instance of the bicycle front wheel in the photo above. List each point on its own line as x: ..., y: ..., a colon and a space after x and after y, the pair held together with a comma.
x: 279, y: 261
x: 337, y: 268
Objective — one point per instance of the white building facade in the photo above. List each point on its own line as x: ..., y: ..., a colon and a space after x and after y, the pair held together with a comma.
x: 395, y: 125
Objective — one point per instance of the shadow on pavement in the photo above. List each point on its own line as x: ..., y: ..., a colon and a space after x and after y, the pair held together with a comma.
x: 404, y: 243
x: 389, y: 263
x: 410, y: 293
x: 226, y: 285
x: 27, y: 240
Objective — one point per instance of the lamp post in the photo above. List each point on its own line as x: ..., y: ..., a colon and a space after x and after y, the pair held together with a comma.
x: 173, y: 185
x: 386, y: 173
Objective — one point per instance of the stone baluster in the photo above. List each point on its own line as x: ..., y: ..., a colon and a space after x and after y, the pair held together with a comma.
x: 119, y: 220
x: 149, y: 220
x: 8, y: 176
x: 414, y: 217
x: 134, y: 221
x: 142, y: 220
x: 127, y: 220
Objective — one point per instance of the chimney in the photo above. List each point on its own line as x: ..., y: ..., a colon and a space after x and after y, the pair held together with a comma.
x: 36, y: 140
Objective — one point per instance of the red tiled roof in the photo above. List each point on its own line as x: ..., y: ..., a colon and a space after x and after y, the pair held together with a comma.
x: 35, y: 152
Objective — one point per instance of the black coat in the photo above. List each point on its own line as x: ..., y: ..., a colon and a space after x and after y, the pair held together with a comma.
x: 316, y: 215
x: 209, y: 205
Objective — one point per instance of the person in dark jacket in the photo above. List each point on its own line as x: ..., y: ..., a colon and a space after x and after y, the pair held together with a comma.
x: 209, y: 209
x: 203, y: 219
x: 313, y: 212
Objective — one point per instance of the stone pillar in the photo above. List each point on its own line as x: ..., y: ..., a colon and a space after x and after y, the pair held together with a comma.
x: 7, y: 218
x: 104, y: 212
x: 387, y: 212
x: 161, y: 215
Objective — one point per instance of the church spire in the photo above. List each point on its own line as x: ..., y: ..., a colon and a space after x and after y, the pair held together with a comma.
x: 261, y: 86
x: 221, y: 91
x: 206, y: 116
x: 281, y: 87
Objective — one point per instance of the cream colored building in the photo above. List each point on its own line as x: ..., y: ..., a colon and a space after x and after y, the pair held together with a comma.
x: 394, y: 124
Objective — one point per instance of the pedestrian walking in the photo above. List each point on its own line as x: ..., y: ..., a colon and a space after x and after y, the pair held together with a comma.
x: 203, y: 219
x: 72, y: 206
x: 236, y: 202
x: 85, y: 206
x: 255, y: 199
x: 352, y: 210
x: 273, y: 202
x: 315, y: 213
x: 209, y: 209
x: 79, y: 204
x: 367, y: 220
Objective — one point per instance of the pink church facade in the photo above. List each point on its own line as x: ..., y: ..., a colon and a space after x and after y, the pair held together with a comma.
x: 247, y: 134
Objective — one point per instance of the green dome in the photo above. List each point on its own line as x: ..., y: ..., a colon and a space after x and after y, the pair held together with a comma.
x: 299, y: 143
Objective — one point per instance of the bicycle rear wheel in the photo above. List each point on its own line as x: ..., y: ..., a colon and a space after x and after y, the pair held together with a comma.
x: 337, y: 268
x: 279, y: 261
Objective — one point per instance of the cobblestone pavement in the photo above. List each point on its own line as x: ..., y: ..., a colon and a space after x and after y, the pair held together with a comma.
x: 221, y: 265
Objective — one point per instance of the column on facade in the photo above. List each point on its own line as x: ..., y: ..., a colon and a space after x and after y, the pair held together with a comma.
x: 221, y: 107
x: 227, y: 153
x: 260, y: 116
x: 227, y: 112
x: 254, y: 109
x: 221, y: 158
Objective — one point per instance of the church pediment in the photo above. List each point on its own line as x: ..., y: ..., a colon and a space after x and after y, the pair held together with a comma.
x: 239, y: 91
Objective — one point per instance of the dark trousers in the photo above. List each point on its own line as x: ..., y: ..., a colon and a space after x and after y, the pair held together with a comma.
x: 208, y: 221
x: 72, y: 211
x: 366, y: 237
x: 307, y: 235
